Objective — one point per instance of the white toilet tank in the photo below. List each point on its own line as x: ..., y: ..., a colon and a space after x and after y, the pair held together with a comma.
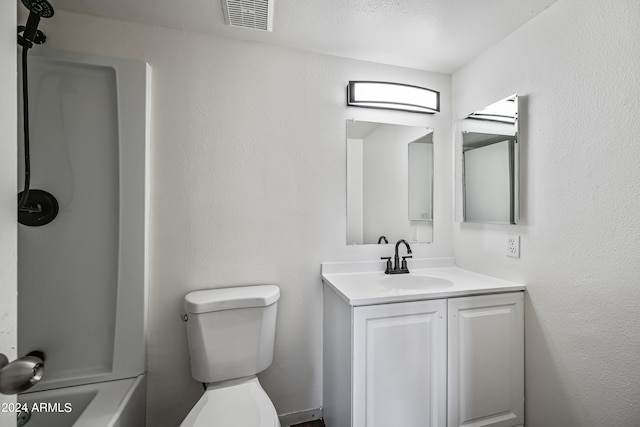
x: 231, y: 331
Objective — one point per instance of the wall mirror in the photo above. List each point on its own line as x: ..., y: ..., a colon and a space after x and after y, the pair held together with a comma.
x: 487, y: 164
x: 389, y: 183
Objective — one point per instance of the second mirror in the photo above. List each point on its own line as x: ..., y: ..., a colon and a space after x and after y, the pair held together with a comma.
x: 488, y: 164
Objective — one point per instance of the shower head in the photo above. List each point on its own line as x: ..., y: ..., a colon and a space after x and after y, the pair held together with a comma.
x: 42, y: 8
x: 37, y: 9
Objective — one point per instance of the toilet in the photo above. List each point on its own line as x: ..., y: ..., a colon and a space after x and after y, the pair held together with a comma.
x: 231, y: 334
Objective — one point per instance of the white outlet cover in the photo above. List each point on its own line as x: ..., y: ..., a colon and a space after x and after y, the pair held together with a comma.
x: 513, y: 245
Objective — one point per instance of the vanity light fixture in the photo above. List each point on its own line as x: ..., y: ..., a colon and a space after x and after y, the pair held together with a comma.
x: 393, y: 96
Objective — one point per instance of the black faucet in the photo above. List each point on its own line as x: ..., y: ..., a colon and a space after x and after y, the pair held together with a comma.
x: 382, y: 239
x: 398, y: 268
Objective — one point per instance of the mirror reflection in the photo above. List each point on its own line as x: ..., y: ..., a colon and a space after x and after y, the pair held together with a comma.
x: 488, y: 151
x: 389, y: 183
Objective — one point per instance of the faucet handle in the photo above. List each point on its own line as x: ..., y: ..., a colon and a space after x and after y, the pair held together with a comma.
x: 388, y: 266
x: 404, y: 262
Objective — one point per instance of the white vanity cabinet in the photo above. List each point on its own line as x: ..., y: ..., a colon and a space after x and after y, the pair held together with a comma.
x: 444, y: 362
x: 399, y: 364
x: 485, y: 361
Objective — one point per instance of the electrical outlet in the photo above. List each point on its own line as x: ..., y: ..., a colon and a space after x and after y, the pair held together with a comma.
x: 513, y: 245
x: 415, y: 235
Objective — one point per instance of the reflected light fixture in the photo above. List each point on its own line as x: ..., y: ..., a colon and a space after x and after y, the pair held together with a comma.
x: 393, y: 96
x: 502, y: 111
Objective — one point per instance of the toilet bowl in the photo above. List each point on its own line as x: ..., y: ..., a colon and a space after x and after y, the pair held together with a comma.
x: 235, y: 403
x: 231, y: 336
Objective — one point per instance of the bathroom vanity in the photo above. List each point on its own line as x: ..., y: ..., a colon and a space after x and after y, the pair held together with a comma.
x: 438, y: 347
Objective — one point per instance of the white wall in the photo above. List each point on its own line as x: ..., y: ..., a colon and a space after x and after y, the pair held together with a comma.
x: 8, y: 195
x: 577, y: 66
x: 238, y: 197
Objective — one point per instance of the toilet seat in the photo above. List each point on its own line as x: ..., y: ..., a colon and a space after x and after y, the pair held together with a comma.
x: 238, y: 403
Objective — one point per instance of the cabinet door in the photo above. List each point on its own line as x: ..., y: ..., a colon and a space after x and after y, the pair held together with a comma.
x: 486, y: 361
x: 399, y: 364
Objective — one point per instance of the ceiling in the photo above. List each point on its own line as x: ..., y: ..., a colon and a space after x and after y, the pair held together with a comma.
x: 433, y: 35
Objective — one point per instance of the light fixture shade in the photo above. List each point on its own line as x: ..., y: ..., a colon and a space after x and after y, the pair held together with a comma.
x: 393, y: 96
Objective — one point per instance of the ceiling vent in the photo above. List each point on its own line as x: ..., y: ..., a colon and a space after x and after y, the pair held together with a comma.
x: 254, y: 14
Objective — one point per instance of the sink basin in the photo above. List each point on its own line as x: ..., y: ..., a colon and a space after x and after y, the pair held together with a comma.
x: 410, y: 281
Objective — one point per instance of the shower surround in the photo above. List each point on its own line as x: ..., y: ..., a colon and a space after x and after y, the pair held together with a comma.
x: 82, y: 278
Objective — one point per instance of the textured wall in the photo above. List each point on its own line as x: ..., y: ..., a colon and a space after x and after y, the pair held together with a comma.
x: 248, y: 166
x: 8, y: 174
x: 577, y: 66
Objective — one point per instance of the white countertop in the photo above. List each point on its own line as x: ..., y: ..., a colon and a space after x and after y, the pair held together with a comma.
x: 364, y: 283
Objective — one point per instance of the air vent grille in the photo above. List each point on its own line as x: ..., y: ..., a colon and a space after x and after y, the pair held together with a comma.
x: 254, y: 14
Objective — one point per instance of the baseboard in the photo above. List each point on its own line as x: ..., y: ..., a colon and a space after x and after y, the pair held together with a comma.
x: 292, y: 418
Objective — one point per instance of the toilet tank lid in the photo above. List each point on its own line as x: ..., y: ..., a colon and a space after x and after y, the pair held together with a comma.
x: 208, y: 300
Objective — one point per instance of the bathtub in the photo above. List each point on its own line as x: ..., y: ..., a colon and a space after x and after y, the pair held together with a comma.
x: 119, y: 403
